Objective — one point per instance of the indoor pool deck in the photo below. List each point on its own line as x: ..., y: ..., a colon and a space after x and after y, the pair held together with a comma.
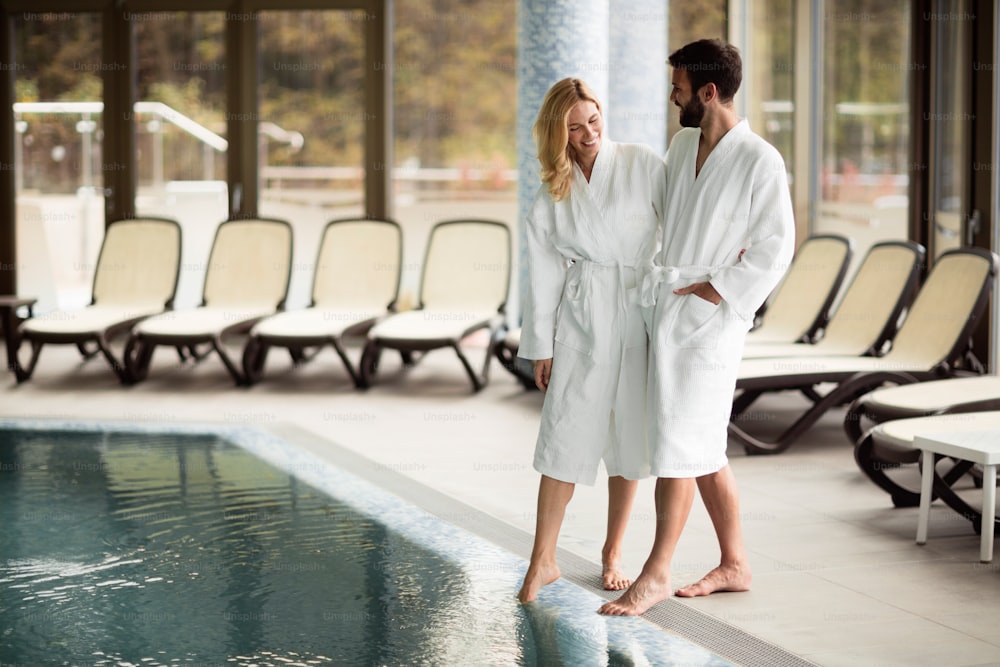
x: 838, y: 579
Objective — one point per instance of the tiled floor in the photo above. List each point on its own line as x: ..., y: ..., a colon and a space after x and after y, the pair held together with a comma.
x: 838, y: 578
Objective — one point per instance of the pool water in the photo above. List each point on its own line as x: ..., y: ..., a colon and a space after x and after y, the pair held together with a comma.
x: 147, y: 548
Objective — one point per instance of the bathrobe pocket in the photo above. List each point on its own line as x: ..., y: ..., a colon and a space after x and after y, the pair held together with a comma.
x: 573, y: 325
x: 697, y: 325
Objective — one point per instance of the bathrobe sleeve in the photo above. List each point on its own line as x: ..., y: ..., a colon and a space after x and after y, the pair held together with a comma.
x: 658, y: 195
x: 546, y: 277
x: 746, y: 284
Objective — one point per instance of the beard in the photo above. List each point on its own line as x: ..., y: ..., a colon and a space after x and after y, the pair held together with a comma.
x: 692, y: 113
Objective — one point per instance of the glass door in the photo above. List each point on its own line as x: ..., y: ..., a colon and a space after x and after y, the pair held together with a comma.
x: 951, y: 122
x: 180, y: 131
x: 311, y: 127
x: 865, y: 160
x: 57, y: 156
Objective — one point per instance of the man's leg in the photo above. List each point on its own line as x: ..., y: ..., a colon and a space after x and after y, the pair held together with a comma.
x: 673, y: 504
x: 721, y: 498
x: 553, y: 496
x: 621, y: 493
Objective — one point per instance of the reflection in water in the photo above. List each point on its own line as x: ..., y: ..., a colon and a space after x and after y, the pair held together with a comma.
x: 151, y: 549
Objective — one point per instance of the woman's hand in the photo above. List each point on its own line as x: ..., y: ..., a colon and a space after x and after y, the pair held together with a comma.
x: 543, y: 370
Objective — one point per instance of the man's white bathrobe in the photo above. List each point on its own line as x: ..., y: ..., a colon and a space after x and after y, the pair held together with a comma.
x: 739, y: 201
x: 586, y: 254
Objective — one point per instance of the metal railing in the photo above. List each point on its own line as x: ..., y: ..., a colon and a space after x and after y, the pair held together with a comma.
x: 497, y: 178
x: 212, y: 142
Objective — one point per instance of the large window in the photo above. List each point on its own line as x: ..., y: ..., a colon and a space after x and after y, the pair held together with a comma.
x: 311, y: 127
x: 58, y: 167
x: 865, y: 160
x: 689, y: 20
x: 770, y: 73
x: 180, y: 130
x: 950, y: 121
x: 455, y: 87
x: 765, y: 32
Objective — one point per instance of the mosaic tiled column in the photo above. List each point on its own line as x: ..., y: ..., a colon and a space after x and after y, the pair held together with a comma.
x: 638, y: 90
x: 555, y: 39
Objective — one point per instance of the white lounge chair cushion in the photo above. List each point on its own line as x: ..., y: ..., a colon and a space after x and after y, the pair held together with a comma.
x: 431, y: 324
x: 901, y: 432
x: 861, y: 316
x: 941, y: 310
x: 797, y: 301
x: 138, y: 263
x: 934, y: 324
x: 781, y: 367
x: 937, y: 394
x: 249, y: 263
x: 823, y: 348
x: 467, y: 269
x: 202, y: 321
x: 89, y: 320
x: 358, y: 266
x: 870, y: 299
x: 313, y: 322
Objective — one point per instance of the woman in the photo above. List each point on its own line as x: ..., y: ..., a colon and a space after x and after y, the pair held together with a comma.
x: 591, y: 228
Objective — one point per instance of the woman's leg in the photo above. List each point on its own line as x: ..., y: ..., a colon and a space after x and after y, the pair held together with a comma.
x: 621, y: 494
x: 553, y: 496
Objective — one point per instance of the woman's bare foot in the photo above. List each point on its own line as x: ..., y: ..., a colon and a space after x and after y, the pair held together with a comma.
x: 612, y: 577
x: 536, y: 577
x: 731, y: 578
x: 646, y: 591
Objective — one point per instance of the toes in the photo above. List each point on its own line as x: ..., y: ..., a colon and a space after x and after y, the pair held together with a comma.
x: 692, y: 591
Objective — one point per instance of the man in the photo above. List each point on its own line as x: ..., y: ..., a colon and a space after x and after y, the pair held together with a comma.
x: 728, y: 237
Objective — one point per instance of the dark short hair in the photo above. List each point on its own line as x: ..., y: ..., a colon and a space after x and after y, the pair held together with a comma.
x: 710, y: 61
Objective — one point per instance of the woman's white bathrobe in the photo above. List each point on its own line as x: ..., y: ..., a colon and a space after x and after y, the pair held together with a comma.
x: 739, y: 201
x: 586, y: 254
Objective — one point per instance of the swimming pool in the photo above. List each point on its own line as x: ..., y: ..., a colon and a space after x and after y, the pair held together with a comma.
x: 210, y: 545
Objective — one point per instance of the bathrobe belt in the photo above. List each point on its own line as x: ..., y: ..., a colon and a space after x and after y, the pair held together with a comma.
x: 657, y: 275
x: 627, y: 296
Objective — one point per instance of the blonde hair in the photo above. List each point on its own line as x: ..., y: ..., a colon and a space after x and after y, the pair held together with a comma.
x: 551, y: 134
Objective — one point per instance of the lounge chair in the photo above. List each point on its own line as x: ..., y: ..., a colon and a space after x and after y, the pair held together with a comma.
x: 801, y: 304
x: 135, y: 278
x: 505, y: 350
x: 867, y: 316
x: 877, y: 450
x: 355, y: 283
x: 932, y: 343
x: 246, y: 280
x: 892, y: 443
x: 463, y: 289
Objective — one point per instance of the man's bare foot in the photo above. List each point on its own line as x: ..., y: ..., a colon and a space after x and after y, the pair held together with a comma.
x: 730, y: 578
x: 640, y: 596
x: 612, y: 577
x: 536, y: 577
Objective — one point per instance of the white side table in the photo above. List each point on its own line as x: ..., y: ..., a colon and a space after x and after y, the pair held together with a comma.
x: 981, y: 447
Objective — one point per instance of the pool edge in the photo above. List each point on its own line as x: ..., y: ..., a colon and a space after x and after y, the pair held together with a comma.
x: 568, y: 597
x: 672, y: 616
